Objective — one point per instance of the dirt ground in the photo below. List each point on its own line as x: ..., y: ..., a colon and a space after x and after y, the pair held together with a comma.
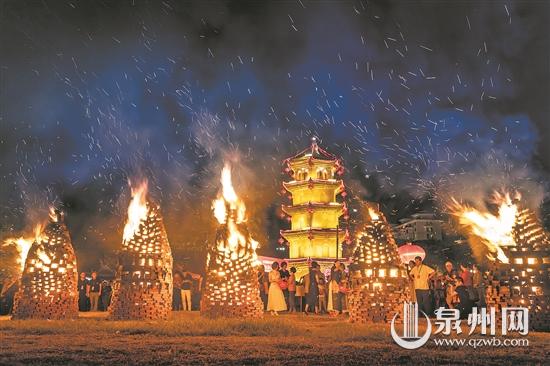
x: 189, y: 339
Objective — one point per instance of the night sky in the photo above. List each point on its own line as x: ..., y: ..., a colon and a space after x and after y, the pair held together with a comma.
x: 422, y: 100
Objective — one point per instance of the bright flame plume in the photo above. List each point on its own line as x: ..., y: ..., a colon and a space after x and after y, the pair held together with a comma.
x: 495, y: 231
x: 23, y: 244
x: 137, y: 211
x: 230, y: 209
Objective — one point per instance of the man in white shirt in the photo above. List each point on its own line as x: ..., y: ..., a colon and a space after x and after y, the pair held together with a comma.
x: 421, y: 274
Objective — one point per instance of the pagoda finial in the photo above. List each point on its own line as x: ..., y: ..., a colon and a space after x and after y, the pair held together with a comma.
x: 314, y: 146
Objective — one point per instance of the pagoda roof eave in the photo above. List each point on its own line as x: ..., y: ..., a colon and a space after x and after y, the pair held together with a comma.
x: 311, y: 151
x: 303, y: 207
x: 298, y: 183
x: 314, y: 231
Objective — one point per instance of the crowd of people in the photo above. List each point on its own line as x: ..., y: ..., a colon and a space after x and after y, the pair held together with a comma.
x: 449, y: 288
x: 322, y: 293
x: 315, y: 292
x: 327, y: 293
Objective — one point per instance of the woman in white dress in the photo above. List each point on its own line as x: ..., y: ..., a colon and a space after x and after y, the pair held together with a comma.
x: 275, y: 298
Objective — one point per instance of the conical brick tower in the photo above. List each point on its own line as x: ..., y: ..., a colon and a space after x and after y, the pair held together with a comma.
x: 231, y: 282
x: 143, y: 289
x: 525, y: 280
x: 49, y: 281
x: 379, y: 281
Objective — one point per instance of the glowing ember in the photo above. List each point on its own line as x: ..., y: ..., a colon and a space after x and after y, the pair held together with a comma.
x: 137, y: 211
x: 373, y: 214
x: 495, y: 231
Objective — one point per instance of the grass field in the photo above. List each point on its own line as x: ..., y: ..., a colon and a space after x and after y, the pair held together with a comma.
x: 191, y: 339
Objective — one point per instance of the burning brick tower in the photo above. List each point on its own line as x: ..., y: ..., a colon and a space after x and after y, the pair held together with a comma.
x: 143, y: 289
x: 231, y: 282
x: 315, y: 232
x: 379, y: 281
x: 519, y: 253
x: 49, y: 282
x: 525, y: 279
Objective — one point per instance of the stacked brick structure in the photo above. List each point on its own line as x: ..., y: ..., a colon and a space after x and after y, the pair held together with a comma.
x: 525, y: 280
x: 143, y: 289
x: 231, y: 280
x: 379, y: 281
x: 48, y: 287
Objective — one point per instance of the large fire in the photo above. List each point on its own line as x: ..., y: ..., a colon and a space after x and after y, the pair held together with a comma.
x: 137, y: 211
x: 230, y: 209
x: 495, y: 231
x: 23, y: 244
x: 231, y: 284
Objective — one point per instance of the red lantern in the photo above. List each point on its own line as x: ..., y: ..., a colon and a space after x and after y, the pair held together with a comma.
x: 409, y: 251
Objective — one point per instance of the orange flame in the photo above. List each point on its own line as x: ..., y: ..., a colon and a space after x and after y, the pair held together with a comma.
x: 495, y: 231
x: 228, y: 198
x: 137, y: 211
x: 229, y: 209
x: 373, y: 214
x: 23, y: 244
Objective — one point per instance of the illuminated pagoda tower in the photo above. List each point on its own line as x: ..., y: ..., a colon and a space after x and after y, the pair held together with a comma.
x: 525, y: 279
x: 48, y: 287
x: 143, y: 288
x: 315, y: 233
x: 379, y: 280
x: 231, y: 280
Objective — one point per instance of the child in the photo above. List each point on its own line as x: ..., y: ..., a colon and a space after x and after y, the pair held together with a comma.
x: 292, y: 290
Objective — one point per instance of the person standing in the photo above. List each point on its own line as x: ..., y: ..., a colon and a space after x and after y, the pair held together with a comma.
x: 343, y: 289
x: 479, y: 288
x: 176, y: 294
x: 421, y: 275
x: 464, y: 304
x: 94, y: 290
x: 283, y: 284
x: 411, y: 281
x: 263, y: 284
x: 186, y: 291
x: 106, y: 292
x: 335, y: 298
x: 311, y: 288
x: 450, y: 275
x: 83, y: 293
x: 322, y: 285
x: 466, y: 276
x: 292, y: 290
x: 275, y: 299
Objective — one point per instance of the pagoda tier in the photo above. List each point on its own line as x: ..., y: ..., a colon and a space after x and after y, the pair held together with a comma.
x: 314, y: 212
x: 314, y: 215
x: 314, y: 190
x: 319, y: 243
